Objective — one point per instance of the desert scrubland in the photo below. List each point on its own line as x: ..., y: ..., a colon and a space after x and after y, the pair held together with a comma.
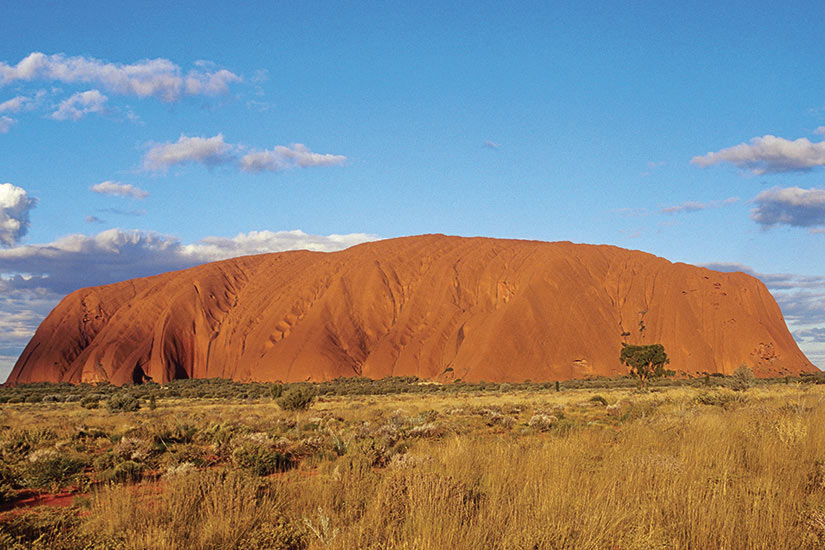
x: 688, y: 464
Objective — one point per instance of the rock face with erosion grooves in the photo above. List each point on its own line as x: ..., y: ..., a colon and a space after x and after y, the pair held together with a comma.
x: 431, y: 306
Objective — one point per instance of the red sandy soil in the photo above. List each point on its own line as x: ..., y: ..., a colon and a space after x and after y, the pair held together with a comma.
x: 29, y: 499
x: 431, y: 306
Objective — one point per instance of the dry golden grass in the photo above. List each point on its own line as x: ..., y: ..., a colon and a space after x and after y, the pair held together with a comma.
x: 681, y: 468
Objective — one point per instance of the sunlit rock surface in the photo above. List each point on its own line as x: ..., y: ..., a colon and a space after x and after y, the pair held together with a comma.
x: 432, y: 306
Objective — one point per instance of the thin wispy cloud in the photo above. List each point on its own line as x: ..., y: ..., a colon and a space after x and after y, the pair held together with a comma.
x: 651, y: 166
x: 6, y: 123
x: 811, y: 335
x: 791, y: 206
x: 630, y: 212
x: 214, y: 151
x: 631, y: 233
x: 15, y: 205
x: 79, y: 105
x: 696, y: 206
x: 160, y: 78
x: 768, y: 155
x: 118, y: 189
x: 281, y: 158
x: 122, y: 212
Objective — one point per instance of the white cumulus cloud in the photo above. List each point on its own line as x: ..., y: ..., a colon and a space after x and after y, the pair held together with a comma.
x: 75, y: 261
x: 14, y: 104
x: 209, y: 151
x: 281, y: 157
x: 213, y: 151
x: 790, y: 206
x: 79, y: 105
x: 15, y: 205
x: 261, y: 242
x: 118, y: 189
x: 158, y: 78
x: 769, y: 155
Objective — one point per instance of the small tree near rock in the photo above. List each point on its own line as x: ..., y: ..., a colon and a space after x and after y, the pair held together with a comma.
x: 645, y: 362
x: 742, y: 378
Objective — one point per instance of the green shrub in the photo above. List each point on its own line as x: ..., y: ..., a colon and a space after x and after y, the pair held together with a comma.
x: 104, y: 461
x: 598, y: 399
x: 48, y: 468
x: 20, y: 442
x: 90, y: 402
x: 128, y: 470
x: 722, y: 398
x: 181, y: 433
x: 123, y: 403
x: 298, y: 398
x: 8, y: 483
x: 261, y: 460
x: 188, y: 453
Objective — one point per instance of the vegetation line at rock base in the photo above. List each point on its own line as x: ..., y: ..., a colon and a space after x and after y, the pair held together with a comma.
x: 92, y: 395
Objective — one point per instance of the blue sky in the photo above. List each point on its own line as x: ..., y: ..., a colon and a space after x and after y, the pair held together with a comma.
x: 138, y: 139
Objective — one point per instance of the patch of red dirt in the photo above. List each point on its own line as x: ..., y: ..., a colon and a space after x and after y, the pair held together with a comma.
x: 28, y: 499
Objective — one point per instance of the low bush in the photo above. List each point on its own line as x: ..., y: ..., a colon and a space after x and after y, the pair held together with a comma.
x: 48, y: 468
x: 542, y: 422
x: 261, y: 460
x: 123, y: 403
x: 721, y: 398
x: 298, y: 398
x: 90, y: 402
x: 18, y: 443
x: 127, y: 470
x: 9, y: 481
x: 742, y: 378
